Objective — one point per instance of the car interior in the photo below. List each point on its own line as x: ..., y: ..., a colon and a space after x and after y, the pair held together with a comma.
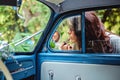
x: 28, y: 50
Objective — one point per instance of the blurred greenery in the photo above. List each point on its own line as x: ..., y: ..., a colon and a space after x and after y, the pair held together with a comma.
x: 13, y: 29
x: 110, y: 19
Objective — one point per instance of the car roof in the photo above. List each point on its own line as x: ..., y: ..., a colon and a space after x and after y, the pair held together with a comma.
x: 69, y: 5
x: 61, y: 6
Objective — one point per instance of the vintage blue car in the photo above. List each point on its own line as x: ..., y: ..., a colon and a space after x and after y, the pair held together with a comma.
x: 59, y: 39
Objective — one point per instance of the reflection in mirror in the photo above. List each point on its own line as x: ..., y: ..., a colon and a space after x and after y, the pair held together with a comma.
x: 68, y: 35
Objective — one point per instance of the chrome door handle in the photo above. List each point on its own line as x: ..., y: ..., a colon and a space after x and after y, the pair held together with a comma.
x: 77, y: 78
x: 51, y: 74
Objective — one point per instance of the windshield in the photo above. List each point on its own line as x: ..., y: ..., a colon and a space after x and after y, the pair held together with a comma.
x: 21, y: 27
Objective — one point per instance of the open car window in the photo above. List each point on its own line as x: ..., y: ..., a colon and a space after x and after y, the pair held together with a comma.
x: 102, y: 33
x: 21, y: 27
x: 63, y: 38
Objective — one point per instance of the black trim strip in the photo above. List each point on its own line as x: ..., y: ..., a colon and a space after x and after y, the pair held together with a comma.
x: 8, y: 2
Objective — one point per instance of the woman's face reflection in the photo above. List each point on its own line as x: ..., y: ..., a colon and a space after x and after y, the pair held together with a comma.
x: 72, y: 36
x: 56, y: 36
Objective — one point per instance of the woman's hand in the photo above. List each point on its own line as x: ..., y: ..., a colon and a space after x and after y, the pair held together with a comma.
x: 66, y: 46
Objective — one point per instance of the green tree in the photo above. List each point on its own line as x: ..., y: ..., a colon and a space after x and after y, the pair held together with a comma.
x: 111, y: 19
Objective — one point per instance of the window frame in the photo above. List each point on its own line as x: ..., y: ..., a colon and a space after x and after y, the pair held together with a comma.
x: 55, y: 27
x: 67, y: 15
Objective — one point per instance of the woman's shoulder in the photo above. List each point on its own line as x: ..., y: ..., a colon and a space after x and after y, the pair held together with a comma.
x: 112, y: 35
x: 115, y: 41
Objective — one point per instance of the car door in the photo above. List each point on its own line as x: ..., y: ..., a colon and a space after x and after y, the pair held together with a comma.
x: 57, y: 63
x: 22, y: 25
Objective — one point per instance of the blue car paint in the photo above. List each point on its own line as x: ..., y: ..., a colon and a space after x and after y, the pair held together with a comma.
x: 48, y: 55
x: 26, y: 62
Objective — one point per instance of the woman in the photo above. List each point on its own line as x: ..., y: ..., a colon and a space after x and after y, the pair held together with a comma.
x: 96, y: 39
x: 74, y: 34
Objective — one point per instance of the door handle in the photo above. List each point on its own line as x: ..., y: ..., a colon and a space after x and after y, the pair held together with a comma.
x: 51, y: 74
x: 77, y: 78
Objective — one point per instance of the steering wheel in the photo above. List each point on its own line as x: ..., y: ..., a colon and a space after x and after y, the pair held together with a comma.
x: 5, y: 71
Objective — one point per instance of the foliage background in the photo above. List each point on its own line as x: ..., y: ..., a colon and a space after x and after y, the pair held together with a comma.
x: 110, y: 19
x: 12, y: 27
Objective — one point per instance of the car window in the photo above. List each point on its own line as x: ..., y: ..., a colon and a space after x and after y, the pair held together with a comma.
x: 64, y: 38
x: 21, y: 27
x: 103, y: 31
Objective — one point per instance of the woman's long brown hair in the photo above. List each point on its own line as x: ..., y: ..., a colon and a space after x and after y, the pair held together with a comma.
x: 75, y: 23
x: 96, y: 39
